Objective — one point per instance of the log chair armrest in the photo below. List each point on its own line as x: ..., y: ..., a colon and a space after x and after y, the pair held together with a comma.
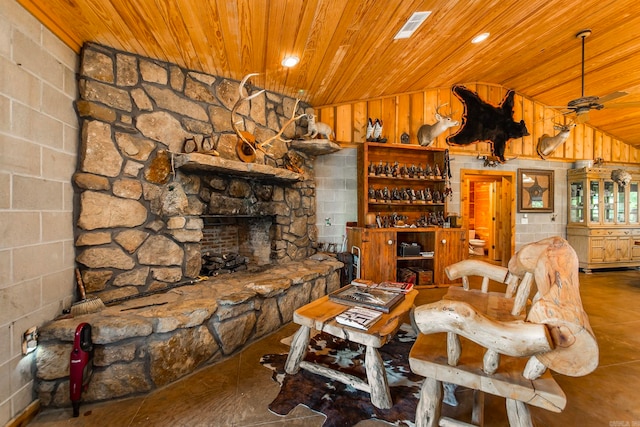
x: 517, y: 339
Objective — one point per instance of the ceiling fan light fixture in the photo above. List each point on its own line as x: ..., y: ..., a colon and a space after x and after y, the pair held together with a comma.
x: 290, y: 61
x: 412, y: 25
x: 480, y: 38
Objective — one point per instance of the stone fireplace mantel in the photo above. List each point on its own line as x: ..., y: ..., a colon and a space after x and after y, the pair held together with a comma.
x: 196, y: 162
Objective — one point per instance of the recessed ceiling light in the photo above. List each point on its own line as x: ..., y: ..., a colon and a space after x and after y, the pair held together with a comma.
x: 290, y: 61
x: 412, y: 24
x: 480, y: 38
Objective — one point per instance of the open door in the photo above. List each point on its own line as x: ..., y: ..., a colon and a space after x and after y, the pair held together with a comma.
x: 501, y: 206
x: 505, y: 221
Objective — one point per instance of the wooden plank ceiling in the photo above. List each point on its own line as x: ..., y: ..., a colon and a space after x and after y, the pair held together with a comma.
x: 348, y: 53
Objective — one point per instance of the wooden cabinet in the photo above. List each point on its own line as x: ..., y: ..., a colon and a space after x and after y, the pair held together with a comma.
x: 376, y: 249
x: 603, y: 222
x: 402, y: 200
x: 401, y: 183
x: 380, y: 256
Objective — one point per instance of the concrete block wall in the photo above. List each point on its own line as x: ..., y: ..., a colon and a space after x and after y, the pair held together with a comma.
x: 336, y: 194
x: 38, y: 146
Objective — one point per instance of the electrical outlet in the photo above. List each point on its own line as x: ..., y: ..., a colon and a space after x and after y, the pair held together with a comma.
x: 327, y: 222
x: 30, y: 340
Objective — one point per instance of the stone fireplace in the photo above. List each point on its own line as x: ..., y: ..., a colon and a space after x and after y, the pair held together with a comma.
x: 146, y: 212
x: 142, y: 201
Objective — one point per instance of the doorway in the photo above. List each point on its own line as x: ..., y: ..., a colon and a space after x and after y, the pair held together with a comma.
x: 488, y: 202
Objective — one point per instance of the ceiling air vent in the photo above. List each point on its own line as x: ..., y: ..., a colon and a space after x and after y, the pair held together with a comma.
x: 412, y: 25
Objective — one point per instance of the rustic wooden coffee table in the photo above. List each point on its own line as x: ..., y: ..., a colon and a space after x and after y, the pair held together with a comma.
x: 320, y: 314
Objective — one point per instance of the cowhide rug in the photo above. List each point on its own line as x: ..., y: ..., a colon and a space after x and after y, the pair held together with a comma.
x: 341, y: 404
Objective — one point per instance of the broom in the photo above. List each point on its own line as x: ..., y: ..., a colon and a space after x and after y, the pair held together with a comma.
x: 85, y: 305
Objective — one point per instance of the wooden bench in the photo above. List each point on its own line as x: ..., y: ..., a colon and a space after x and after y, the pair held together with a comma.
x: 498, y: 343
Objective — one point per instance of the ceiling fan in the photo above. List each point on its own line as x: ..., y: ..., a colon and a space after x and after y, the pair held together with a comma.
x: 581, y: 106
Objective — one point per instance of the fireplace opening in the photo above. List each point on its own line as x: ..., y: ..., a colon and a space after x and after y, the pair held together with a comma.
x: 236, y: 243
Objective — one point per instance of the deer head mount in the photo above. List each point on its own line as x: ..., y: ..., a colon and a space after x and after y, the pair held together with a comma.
x: 428, y: 133
x: 548, y: 144
x: 247, y: 144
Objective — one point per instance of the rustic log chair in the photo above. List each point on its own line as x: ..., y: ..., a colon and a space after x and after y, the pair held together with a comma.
x: 555, y: 334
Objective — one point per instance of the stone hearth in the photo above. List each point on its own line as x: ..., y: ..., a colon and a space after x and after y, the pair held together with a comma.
x: 151, y: 341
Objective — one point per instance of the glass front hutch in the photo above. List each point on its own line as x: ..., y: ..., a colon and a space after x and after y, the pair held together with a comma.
x: 603, y: 224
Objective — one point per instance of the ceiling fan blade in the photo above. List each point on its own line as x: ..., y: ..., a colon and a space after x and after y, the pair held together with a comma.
x: 611, y: 96
x: 635, y: 104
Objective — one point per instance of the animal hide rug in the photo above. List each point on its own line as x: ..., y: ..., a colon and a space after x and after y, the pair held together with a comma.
x: 343, y: 405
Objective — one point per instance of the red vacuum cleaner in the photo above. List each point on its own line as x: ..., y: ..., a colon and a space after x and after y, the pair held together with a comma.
x: 81, y: 365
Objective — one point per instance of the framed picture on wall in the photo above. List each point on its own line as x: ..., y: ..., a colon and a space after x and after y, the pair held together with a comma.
x: 535, y: 190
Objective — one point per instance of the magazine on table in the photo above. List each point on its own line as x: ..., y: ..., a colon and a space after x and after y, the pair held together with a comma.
x: 367, y: 297
x: 359, y: 317
x: 403, y: 287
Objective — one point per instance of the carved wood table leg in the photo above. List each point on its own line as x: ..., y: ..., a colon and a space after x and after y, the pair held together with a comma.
x: 377, y: 379
x: 428, y: 410
x: 298, y: 350
x: 518, y: 413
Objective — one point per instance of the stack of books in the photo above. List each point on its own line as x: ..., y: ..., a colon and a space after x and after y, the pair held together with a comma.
x: 359, y: 317
x: 403, y: 287
x: 368, y: 300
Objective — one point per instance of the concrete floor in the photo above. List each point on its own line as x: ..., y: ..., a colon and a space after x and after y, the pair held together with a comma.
x: 236, y: 392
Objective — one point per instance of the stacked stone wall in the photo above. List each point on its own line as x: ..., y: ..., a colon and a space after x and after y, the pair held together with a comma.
x: 138, y: 218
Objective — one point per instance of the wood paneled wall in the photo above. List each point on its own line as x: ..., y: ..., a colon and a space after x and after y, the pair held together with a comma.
x: 407, y: 112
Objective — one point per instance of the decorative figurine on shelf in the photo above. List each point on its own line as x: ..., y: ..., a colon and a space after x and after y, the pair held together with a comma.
x: 404, y: 138
x: 420, y: 171
x: 413, y: 171
x: 371, y: 169
x: 387, y: 169
x: 437, y: 172
x: 318, y: 129
x: 428, y: 172
x: 380, y: 169
x: 395, y: 169
x: 369, y: 134
x: 428, y: 197
x: 437, y: 197
x: 404, y: 172
x: 433, y: 218
x: 412, y: 195
x: 421, y: 197
x: 406, y: 197
x: 372, y: 194
x: 374, y: 131
x: 395, y: 194
x: 386, y: 196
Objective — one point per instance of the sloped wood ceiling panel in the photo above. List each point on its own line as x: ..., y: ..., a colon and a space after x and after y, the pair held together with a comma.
x: 348, y: 53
